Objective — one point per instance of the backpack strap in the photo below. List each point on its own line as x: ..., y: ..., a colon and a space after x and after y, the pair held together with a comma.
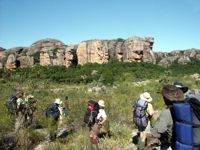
x: 194, y: 125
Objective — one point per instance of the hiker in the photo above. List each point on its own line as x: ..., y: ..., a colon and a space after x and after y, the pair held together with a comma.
x: 142, y: 114
x: 55, y: 111
x: 100, y: 125
x: 102, y: 120
x: 55, y: 115
x: 187, y: 93
x: 20, y: 111
x: 30, y: 107
x: 162, y: 133
x: 182, y: 87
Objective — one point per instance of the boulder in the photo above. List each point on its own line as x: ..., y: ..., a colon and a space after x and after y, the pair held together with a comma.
x: 11, y: 62
x: 25, y: 61
x: 184, y: 60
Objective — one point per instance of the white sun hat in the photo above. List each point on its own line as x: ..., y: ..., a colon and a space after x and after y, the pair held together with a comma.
x: 58, y: 101
x: 101, y: 103
x: 146, y: 96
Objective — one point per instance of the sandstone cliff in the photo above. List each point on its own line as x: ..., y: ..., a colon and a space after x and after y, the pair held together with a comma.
x: 54, y: 52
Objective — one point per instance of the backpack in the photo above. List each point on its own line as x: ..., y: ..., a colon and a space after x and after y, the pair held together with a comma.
x: 140, y: 117
x: 91, y: 113
x: 53, y: 112
x: 195, y: 94
x: 11, y: 104
x: 187, y: 124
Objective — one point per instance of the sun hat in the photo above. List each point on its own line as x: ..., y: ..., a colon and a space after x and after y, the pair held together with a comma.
x: 172, y: 93
x: 101, y: 103
x: 58, y: 101
x: 146, y: 96
x: 181, y: 86
x: 30, y: 96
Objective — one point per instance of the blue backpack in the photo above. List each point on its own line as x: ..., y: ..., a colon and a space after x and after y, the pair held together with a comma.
x: 187, y: 124
x: 11, y: 104
x: 53, y: 112
x: 140, y: 117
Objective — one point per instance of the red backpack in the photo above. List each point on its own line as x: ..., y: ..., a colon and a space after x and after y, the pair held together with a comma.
x: 91, y: 113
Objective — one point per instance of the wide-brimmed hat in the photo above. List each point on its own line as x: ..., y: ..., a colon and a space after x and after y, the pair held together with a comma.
x: 58, y: 101
x: 30, y: 96
x: 146, y: 96
x: 101, y: 103
x: 181, y: 86
x: 172, y: 93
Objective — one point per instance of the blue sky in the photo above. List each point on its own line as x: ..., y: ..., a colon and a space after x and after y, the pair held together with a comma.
x: 175, y: 24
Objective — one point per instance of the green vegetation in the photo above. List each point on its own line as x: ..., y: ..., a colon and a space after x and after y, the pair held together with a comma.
x: 120, y: 40
x: 36, y: 57
x: 123, y: 83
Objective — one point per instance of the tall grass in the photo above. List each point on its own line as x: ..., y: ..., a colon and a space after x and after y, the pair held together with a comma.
x: 119, y: 96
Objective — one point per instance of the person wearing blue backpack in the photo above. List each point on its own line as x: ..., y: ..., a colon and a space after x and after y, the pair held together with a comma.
x: 162, y: 132
x: 178, y: 125
x: 142, y: 114
x: 54, y: 113
x: 188, y: 119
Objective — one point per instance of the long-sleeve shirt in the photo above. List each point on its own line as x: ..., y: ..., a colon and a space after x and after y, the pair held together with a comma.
x: 164, y: 125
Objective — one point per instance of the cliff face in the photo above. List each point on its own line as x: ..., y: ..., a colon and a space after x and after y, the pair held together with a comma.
x: 54, y: 52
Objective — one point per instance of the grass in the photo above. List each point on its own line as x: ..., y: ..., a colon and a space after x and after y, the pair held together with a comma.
x: 119, y: 98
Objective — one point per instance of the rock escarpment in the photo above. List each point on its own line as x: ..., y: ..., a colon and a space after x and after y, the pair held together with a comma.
x: 103, y: 51
x: 54, y: 52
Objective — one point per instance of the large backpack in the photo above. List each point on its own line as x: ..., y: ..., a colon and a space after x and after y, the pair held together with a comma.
x: 11, y: 104
x: 140, y: 117
x: 91, y: 113
x: 187, y: 124
x: 53, y: 112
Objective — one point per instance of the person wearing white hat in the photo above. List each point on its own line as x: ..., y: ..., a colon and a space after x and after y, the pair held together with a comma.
x: 101, y: 117
x: 146, y: 96
x: 99, y: 125
x: 143, y: 112
x: 59, y: 102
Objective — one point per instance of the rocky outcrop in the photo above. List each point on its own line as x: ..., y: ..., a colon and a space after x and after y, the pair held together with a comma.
x: 180, y: 56
x: 54, y: 52
x: 3, y: 57
x: 11, y: 62
x: 103, y: 51
x: 94, y: 51
x: 135, y: 48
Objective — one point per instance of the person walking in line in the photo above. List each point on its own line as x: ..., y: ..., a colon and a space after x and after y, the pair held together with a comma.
x: 20, y: 112
x: 162, y: 133
x: 55, y: 115
x: 188, y: 93
x: 100, y: 125
x: 142, y: 114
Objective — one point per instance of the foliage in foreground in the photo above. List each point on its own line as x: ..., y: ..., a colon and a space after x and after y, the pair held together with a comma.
x: 119, y: 98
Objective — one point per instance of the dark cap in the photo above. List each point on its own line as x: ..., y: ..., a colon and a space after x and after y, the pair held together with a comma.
x: 181, y: 86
